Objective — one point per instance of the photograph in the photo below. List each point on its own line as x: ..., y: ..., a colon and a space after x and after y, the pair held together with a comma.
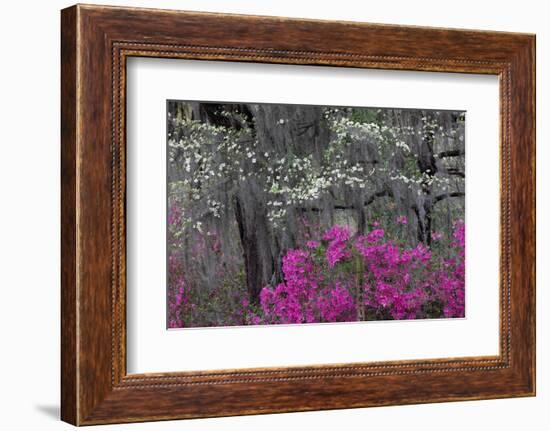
x: 304, y: 214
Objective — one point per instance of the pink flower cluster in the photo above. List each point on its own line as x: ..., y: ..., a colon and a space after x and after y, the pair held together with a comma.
x: 337, y: 249
x: 345, y: 278
x: 178, y: 292
x: 307, y: 296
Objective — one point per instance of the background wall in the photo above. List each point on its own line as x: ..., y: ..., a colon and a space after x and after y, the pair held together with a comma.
x: 29, y: 215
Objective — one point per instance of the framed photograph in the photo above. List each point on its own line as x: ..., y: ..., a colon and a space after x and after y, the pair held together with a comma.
x: 264, y: 214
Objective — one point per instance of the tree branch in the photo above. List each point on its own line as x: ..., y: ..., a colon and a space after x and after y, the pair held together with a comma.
x: 447, y: 195
x: 368, y: 201
x: 451, y: 153
x: 456, y: 172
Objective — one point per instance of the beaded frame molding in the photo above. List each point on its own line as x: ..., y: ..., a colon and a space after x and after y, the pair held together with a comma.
x: 95, y: 43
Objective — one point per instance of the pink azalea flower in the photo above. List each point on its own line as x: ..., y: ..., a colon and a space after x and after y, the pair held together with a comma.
x: 436, y: 236
x: 402, y: 220
x: 312, y: 244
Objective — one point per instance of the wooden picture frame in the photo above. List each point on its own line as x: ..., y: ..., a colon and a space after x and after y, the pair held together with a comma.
x: 95, y: 43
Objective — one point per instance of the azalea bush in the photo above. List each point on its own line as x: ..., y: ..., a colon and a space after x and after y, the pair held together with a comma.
x: 339, y: 277
x: 189, y: 304
x: 367, y: 277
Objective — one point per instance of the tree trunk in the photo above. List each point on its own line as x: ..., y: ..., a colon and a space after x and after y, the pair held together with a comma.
x: 249, y: 240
